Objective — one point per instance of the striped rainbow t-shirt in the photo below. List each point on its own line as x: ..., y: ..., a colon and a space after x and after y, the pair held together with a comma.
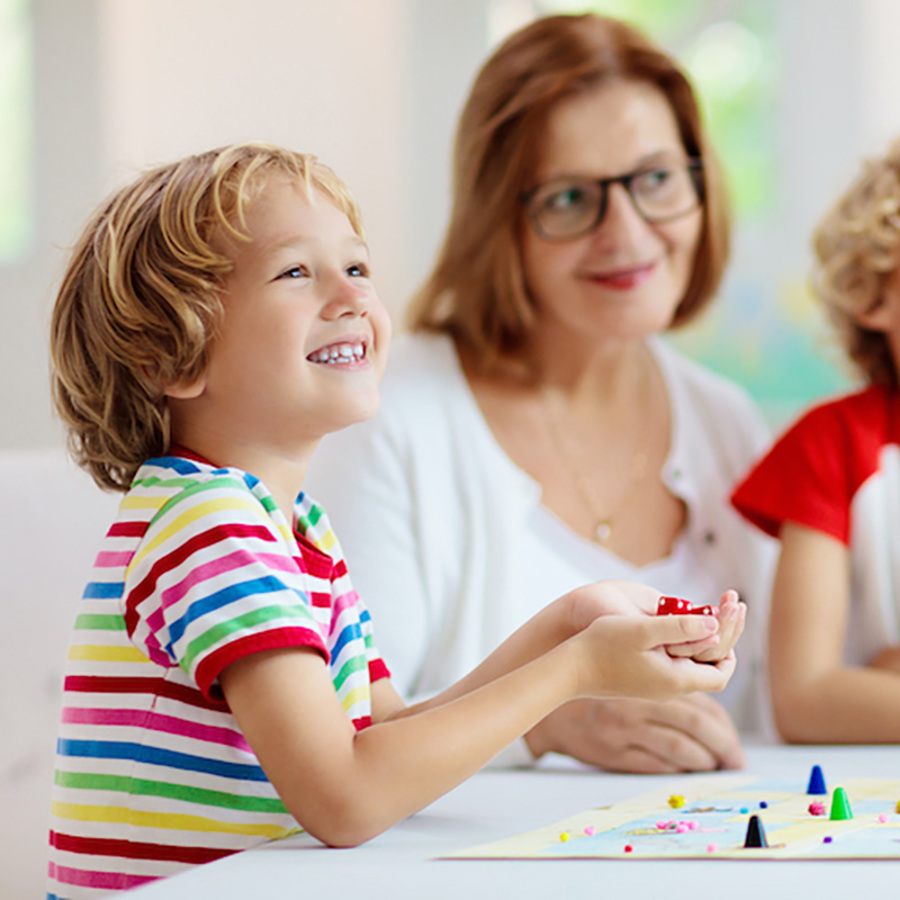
x: 199, y: 569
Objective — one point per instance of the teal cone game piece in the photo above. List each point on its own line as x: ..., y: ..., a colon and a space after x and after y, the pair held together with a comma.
x: 840, y: 805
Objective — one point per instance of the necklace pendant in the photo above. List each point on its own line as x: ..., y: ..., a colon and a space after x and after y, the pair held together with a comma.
x: 603, y: 531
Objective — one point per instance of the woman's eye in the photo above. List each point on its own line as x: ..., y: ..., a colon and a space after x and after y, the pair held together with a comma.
x: 656, y: 178
x: 358, y: 270
x: 574, y: 195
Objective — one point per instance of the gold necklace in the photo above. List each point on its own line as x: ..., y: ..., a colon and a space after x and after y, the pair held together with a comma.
x: 603, y: 517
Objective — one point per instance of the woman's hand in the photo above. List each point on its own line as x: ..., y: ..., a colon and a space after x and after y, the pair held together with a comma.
x: 688, y: 734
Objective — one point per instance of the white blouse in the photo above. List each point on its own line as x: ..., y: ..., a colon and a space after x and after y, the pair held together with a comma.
x: 451, y: 549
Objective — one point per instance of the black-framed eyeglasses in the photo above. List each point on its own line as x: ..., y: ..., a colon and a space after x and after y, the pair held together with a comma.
x: 568, y: 208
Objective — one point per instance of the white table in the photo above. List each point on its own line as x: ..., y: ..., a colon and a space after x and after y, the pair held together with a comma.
x: 496, y: 804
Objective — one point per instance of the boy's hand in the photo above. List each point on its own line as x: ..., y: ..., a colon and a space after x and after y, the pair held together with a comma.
x: 631, y: 656
x: 732, y: 616
x: 608, y: 598
x: 626, y: 598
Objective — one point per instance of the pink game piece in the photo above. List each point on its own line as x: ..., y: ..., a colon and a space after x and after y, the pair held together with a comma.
x: 681, y: 827
x: 817, y: 808
x: 711, y: 848
x: 589, y: 830
x: 662, y: 826
x: 882, y: 818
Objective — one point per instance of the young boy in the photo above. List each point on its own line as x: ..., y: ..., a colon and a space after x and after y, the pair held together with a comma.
x: 223, y: 686
x: 830, y: 490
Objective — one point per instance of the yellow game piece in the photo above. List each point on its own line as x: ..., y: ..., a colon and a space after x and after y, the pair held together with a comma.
x: 564, y: 836
x: 676, y: 801
x: 897, y: 809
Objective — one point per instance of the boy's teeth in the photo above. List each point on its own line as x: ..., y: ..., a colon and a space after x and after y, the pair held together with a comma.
x: 339, y: 353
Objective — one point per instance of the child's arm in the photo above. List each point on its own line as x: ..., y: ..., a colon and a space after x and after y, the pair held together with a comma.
x: 345, y: 787
x: 816, y: 697
x: 559, y: 621
x: 662, y: 724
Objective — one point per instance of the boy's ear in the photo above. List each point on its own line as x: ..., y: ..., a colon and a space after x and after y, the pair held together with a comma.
x: 877, y: 318
x: 187, y: 390
x: 883, y: 315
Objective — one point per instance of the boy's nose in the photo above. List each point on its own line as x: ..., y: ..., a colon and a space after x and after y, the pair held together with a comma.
x: 345, y: 299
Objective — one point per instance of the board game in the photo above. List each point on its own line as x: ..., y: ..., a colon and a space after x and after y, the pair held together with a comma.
x: 710, y: 817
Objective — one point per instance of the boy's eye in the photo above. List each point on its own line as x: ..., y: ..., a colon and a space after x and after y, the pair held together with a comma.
x: 358, y: 270
x: 295, y: 272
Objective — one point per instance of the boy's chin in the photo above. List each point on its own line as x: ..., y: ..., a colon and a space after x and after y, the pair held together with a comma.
x: 361, y: 412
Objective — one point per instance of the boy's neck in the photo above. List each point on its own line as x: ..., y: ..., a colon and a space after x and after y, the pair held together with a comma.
x: 282, y: 474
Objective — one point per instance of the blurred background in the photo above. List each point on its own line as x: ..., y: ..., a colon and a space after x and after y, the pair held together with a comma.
x: 91, y: 91
x: 796, y: 91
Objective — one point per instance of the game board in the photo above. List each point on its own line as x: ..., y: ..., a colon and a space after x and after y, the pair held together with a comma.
x: 721, y: 806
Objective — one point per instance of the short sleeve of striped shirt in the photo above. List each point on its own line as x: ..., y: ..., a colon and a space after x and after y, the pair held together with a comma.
x: 350, y: 618
x: 214, y: 579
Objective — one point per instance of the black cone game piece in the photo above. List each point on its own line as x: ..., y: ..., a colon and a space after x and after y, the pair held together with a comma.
x: 756, y: 835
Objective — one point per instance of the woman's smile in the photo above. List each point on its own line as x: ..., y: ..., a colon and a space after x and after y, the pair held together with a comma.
x: 624, y: 278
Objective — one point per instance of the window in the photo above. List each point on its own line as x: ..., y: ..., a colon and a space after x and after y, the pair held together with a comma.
x: 15, y: 129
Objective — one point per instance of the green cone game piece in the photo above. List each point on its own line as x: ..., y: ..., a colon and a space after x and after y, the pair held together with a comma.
x: 840, y: 805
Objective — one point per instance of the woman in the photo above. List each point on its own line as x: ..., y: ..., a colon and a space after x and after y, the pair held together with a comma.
x: 534, y: 433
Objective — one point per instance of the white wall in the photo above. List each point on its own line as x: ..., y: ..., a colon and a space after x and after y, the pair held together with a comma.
x: 373, y: 87
x: 330, y: 77
x: 880, y: 68
x: 124, y: 84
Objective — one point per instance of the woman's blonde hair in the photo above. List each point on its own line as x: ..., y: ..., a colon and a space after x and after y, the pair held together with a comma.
x: 476, y: 291
x: 857, y: 247
x: 142, y: 297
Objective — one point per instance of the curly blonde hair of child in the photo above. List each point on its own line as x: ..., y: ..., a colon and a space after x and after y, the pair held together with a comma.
x: 857, y: 247
x: 141, y: 298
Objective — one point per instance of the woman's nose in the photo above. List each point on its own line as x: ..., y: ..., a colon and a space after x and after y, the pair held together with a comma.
x: 622, y: 218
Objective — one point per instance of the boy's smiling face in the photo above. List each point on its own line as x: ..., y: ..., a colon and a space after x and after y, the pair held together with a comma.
x: 303, y: 339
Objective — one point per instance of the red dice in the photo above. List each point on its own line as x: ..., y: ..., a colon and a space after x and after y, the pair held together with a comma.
x: 675, y: 606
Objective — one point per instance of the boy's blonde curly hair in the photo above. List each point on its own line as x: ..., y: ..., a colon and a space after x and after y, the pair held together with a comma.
x: 142, y: 297
x: 857, y: 247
